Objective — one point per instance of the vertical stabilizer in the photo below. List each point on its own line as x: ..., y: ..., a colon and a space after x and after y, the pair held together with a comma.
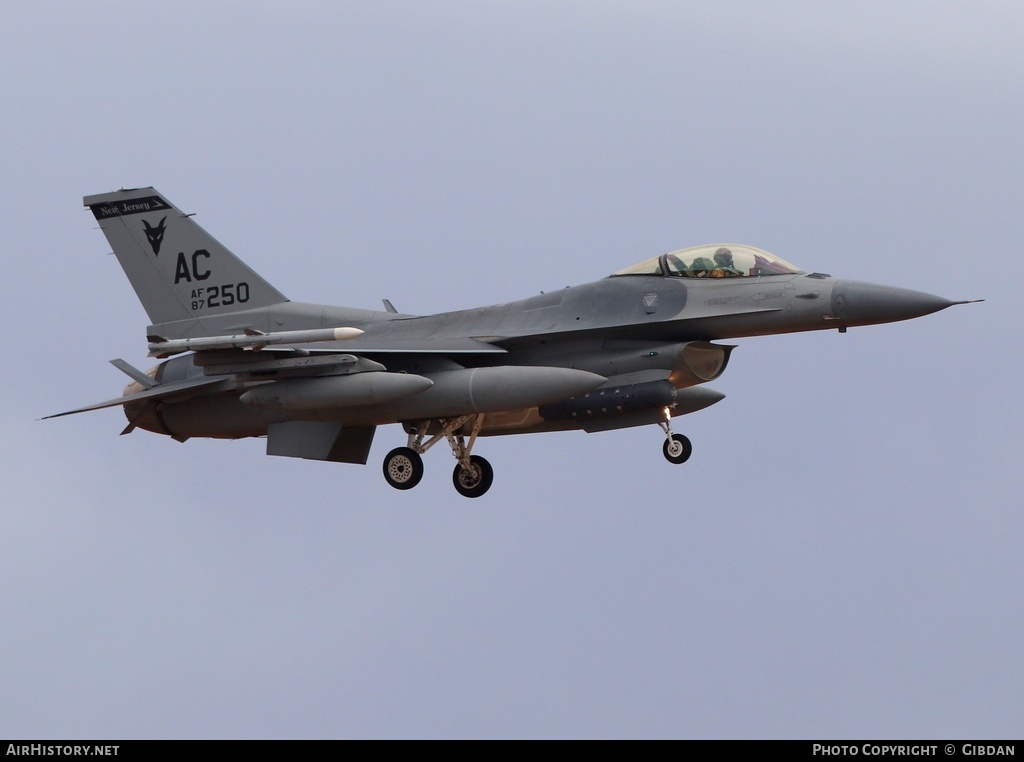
x: 178, y: 270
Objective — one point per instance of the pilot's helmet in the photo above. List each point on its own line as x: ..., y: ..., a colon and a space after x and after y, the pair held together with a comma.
x: 723, y: 257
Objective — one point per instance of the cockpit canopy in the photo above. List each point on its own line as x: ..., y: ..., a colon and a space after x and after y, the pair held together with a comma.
x: 713, y: 261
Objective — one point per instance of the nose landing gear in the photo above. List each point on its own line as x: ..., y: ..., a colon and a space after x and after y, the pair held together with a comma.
x: 677, y: 448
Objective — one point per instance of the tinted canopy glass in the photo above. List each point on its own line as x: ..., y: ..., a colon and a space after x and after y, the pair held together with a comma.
x: 713, y: 261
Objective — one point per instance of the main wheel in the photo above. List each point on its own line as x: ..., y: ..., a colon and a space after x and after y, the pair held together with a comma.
x: 677, y: 449
x: 475, y: 480
x: 403, y: 468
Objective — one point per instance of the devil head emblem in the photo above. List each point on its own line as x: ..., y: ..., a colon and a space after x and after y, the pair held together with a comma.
x: 155, y: 235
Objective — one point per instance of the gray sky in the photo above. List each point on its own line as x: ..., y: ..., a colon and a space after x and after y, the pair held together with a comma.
x: 840, y: 557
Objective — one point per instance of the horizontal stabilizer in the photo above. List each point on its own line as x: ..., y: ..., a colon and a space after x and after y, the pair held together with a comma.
x: 161, y: 391
x: 145, y: 381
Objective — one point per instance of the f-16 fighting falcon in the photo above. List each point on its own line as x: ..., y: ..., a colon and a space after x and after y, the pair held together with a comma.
x: 635, y: 348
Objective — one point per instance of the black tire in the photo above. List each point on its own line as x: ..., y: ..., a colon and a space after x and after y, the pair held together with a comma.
x: 403, y: 468
x: 474, y: 481
x: 678, y: 449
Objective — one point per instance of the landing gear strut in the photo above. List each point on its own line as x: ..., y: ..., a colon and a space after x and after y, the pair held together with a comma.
x: 403, y: 466
x: 677, y: 448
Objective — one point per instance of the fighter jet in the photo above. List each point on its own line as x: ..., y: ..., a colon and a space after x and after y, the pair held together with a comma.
x: 633, y: 349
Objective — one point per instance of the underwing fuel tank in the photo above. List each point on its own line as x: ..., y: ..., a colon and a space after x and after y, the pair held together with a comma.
x: 336, y: 391
x: 491, y: 389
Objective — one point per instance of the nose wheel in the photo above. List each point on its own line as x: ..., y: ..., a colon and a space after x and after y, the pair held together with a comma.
x: 677, y: 448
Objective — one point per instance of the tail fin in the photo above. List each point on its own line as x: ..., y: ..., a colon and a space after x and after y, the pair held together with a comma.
x: 178, y: 270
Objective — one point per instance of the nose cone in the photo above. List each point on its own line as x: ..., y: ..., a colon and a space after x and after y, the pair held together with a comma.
x: 856, y: 303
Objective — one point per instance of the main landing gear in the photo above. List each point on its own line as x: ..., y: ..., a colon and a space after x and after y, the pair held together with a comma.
x: 403, y: 468
x: 473, y: 475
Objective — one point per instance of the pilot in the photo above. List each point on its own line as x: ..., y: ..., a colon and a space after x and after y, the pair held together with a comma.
x: 724, y: 266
